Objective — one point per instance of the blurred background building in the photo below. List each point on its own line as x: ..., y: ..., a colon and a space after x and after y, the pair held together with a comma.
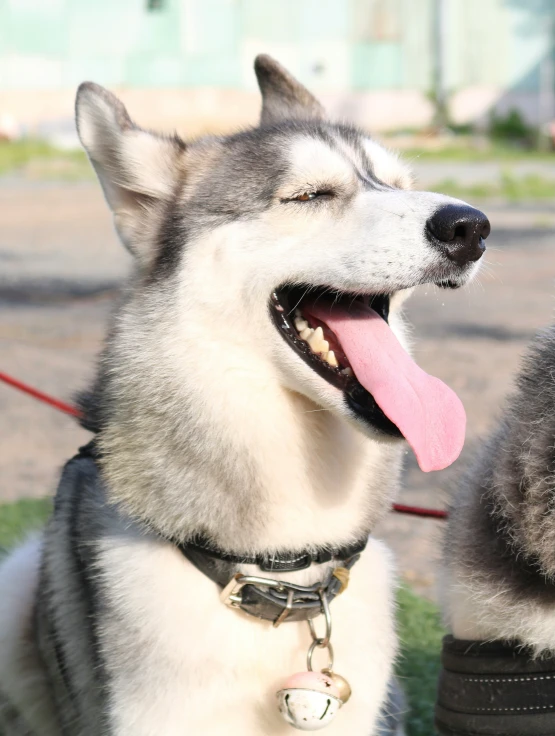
x: 389, y: 64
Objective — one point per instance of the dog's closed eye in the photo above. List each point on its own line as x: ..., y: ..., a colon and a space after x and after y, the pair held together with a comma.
x: 309, y: 195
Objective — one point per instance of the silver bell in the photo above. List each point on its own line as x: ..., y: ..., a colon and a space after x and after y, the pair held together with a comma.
x: 309, y: 701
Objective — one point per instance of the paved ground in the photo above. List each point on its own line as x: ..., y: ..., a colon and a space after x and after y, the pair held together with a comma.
x: 59, y: 268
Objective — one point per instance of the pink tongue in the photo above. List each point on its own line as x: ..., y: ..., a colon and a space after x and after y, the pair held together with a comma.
x: 428, y: 413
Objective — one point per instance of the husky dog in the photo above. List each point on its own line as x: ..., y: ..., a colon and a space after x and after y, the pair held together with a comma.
x: 499, y: 560
x: 253, y: 390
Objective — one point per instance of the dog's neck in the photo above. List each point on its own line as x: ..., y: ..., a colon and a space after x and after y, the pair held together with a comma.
x: 267, y: 484
x: 227, y: 451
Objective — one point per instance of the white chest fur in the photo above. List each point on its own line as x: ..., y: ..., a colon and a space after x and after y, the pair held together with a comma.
x: 180, y: 662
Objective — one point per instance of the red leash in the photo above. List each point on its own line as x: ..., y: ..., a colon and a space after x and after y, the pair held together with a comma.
x: 74, y: 412
x: 56, y: 403
x: 419, y: 511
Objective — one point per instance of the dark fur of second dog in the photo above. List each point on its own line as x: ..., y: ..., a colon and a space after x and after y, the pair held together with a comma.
x: 499, y: 563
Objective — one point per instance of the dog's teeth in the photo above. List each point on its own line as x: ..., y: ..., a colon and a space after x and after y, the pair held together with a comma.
x: 298, y: 313
x: 316, y: 339
x: 332, y: 360
x: 347, y: 372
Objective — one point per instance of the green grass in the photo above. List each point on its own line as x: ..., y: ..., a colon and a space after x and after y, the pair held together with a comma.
x: 421, y: 632
x: 508, y: 187
x: 419, y: 626
x: 39, y: 160
x: 19, y: 518
x: 468, y: 152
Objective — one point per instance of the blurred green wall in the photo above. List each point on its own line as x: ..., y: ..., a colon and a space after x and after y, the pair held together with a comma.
x: 332, y: 44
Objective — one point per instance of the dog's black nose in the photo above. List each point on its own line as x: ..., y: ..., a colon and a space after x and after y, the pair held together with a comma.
x: 459, y: 231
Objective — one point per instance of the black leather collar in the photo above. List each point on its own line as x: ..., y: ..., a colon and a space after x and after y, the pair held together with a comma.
x: 281, y: 562
x: 265, y: 598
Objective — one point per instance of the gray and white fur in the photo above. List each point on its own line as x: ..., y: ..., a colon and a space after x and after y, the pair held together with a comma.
x: 499, y: 557
x: 209, y: 423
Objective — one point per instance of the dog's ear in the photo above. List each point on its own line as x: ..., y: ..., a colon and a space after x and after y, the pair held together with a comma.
x: 136, y: 168
x: 283, y: 98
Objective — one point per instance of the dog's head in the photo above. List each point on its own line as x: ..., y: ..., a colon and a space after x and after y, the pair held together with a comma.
x: 293, y: 245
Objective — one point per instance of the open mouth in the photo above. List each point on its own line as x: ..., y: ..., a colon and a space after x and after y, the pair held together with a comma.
x: 293, y: 311
x: 347, y: 341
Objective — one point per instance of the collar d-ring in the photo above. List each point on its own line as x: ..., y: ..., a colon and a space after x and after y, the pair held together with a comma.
x: 327, y: 616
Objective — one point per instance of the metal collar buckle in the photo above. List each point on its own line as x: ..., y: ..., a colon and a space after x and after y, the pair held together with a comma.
x: 231, y: 594
x: 232, y: 597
